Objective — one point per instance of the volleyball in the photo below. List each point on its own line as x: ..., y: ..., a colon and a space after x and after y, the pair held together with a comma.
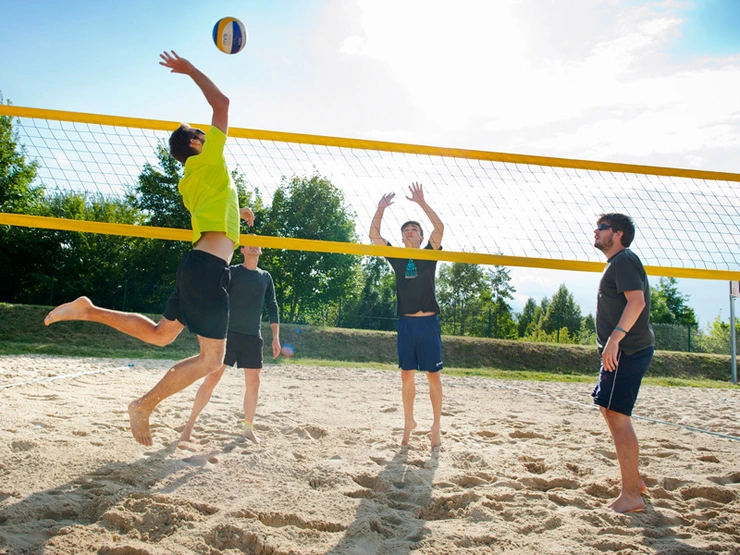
x: 230, y: 35
x: 288, y: 350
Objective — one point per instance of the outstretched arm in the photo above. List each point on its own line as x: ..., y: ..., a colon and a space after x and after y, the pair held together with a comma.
x: 384, y: 203
x: 218, y: 100
x: 438, y: 228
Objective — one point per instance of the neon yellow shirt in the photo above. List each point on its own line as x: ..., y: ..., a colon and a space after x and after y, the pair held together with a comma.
x: 207, y: 190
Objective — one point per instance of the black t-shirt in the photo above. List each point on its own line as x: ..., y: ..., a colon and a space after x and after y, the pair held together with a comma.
x: 249, y: 292
x: 623, y: 272
x: 415, y: 284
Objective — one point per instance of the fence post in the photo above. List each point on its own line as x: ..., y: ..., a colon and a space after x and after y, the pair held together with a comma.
x: 689, y: 328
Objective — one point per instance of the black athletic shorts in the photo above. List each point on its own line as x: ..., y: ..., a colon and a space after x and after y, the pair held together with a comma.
x: 618, y: 390
x: 245, y: 350
x: 201, y: 300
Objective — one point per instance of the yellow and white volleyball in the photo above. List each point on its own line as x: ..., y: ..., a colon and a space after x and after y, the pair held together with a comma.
x: 230, y: 35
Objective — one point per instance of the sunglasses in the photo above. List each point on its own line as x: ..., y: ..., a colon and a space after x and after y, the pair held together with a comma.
x: 602, y: 227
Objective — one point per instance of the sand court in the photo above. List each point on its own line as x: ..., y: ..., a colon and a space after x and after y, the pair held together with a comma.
x: 525, y: 467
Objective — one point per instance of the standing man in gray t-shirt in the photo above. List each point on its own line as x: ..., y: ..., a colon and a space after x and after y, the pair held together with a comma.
x: 251, y: 289
x: 626, y: 344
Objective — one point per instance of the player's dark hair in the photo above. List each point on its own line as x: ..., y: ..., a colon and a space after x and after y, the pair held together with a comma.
x: 620, y: 222
x: 412, y: 222
x: 180, y: 143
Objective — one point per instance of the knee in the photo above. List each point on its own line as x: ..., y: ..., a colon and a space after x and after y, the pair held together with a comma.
x: 164, y: 335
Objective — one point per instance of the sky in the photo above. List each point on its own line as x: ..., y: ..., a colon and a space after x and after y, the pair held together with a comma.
x: 646, y: 82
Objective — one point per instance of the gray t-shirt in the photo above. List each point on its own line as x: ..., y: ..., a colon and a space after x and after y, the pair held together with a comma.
x: 623, y: 272
x: 249, y: 292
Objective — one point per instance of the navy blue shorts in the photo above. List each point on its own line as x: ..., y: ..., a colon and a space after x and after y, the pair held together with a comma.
x: 201, y: 300
x: 419, y: 343
x: 244, y: 350
x: 618, y: 390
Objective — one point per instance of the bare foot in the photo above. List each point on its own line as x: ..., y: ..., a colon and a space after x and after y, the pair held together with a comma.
x: 139, y: 423
x: 436, y: 436
x: 185, y: 435
x: 408, y: 427
x: 76, y: 310
x: 248, y: 428
x: 641, y: 488
x: 625, y: 504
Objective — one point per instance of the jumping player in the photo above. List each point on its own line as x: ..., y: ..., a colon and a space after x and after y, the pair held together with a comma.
x: 200, y: 300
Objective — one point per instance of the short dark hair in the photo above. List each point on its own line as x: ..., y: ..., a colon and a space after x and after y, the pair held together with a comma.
x: 180, y: 143
x: 412, y: 222
x: 620, y: 222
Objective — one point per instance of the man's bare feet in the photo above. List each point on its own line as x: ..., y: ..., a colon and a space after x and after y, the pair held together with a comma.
x: 408, y: 427
x: 436, y: 436
x: 76, y: 310
x: 139, y: 423
x: 627, y: 504
x: 249, y: 432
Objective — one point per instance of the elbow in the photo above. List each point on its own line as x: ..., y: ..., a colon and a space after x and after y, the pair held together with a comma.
x: 222, y: 103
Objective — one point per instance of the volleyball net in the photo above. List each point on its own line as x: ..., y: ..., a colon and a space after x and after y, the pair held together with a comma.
x: 498, y: 209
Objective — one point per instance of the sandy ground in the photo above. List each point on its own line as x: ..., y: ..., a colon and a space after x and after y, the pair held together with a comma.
x: 525, y: 467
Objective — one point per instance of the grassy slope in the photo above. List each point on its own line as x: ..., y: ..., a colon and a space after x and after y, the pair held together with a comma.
x: 22, y: 331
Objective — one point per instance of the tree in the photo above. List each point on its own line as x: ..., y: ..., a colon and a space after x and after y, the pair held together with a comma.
x: 461, y: 291
x: 717, y: 337
x: 562, y: 312
x: 25, y: 251
x: 667, y: 296
x: 375, y: 308
x: 18, y: 192
x: 305, y: 281
x: 587, y: 333
x: 527, y: 316
x: 501, y: 321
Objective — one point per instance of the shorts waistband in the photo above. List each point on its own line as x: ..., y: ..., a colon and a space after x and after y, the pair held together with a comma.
x: 208, y: 258
x: 418, y: 318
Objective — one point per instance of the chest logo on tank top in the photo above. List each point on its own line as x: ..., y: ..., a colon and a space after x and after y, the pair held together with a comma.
x: 411, y: 271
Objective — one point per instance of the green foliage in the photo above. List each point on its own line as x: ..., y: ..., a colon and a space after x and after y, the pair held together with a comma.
x: 374, y: 307
x: 562, y: 335
x: 18, y: 193
x: 527, y: 316
x: 717, y: 337
x: 91, y: 263
x: 669, y: 306
x: 310, y: 208
x: 562, y: 312
x: 587, y: 333
x: 461, y: 292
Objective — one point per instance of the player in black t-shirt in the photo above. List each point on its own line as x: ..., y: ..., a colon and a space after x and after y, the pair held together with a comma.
x: 419, y: 339
x: 626, y: 345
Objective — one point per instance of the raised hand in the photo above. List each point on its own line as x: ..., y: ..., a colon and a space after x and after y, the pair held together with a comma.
x: 176, y: 63
x: 386, y: 200
x: 417, y: 193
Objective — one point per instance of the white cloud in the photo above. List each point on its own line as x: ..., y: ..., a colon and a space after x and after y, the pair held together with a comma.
x: 484, y: 71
